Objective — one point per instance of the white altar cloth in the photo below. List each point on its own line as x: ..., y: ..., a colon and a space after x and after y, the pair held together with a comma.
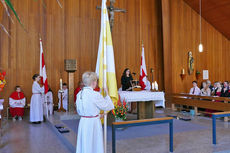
x: 137, y: 96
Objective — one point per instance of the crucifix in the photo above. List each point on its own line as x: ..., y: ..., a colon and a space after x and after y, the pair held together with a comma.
x: 112, y: 10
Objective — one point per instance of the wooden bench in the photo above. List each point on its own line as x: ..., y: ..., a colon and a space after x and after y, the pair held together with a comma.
x: 206, y: 102
x: 142, y: 123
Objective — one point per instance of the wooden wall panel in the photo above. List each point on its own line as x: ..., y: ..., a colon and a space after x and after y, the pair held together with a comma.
x: 184, y: 37
x: 73, y: 32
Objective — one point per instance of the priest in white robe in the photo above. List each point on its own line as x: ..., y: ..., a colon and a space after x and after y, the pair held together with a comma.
x: 64, y: 97
x: 36, y: 103
x: 89, y: 104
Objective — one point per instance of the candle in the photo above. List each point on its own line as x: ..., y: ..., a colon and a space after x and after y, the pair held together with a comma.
x: 182, y: 71
x: 61, y: 84
x: 156, y: 85
x: 152, y: 85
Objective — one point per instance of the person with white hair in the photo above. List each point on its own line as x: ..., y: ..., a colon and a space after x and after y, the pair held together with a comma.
x: 89, y: 104
x: 209, y: 84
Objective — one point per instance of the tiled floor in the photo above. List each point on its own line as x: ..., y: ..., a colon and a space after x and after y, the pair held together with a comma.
x: 23, y: 137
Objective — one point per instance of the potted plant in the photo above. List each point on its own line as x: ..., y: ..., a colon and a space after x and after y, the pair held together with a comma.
x: 197, y: 74
x: 2, y: 80
x: 120, y: 111
x: 2, y: 85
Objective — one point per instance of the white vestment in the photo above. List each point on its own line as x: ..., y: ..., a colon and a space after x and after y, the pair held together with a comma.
x: 64, y: 99
x: 17, y: 103
x: 148, y: 85
x: 49, y: 101
x: 90, y: 136
x: 36, y: 103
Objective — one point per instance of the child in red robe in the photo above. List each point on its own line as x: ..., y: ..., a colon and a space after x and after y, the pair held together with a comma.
x: 17, y: 102
x: 78, y: 89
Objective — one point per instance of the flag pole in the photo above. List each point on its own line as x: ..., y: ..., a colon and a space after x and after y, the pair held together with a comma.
x: 105, y: 132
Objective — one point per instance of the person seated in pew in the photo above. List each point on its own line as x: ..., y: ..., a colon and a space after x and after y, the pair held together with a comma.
x: 218, y: 90
x: 126, y: 80
x: 209, y: 84
x: 17, y: 103
x: 195, y: 90
x: 217, y: 93
x: 205, y: 91
x: 214, y: 88
x: 49, y: 101
x: 64, y: 97
x: 225, y: 89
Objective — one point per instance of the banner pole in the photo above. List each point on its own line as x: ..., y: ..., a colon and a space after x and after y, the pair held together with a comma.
x: 105, y: 132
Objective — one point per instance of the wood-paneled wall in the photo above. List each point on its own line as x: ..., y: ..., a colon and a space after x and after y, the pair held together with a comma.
x: 73, y: 33
x: 183, y: 33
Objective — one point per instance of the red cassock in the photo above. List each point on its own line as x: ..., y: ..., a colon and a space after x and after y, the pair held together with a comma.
x: 77, y: 90
x: 97, y: 89
x: 17, y: 103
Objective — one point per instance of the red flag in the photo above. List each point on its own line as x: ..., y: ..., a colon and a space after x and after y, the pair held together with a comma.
x: 143, y: 72
x: 43, y: 69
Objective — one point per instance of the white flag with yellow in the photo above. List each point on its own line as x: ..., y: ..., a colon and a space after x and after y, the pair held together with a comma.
x: 105, y: 67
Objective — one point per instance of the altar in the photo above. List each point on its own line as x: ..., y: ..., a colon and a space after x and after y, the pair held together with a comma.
x: 146, y: 101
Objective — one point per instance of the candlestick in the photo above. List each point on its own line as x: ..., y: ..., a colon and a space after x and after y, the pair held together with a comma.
x: 61, y: 84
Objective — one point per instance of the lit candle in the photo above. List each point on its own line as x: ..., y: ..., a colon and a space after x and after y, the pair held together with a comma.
x: 152, y: 85
x: 156, y: 86
x: 182, y: 71
x: 61, y: 84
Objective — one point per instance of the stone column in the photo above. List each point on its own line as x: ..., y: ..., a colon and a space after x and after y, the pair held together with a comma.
x: 71, y: 67
x: 71, y: 91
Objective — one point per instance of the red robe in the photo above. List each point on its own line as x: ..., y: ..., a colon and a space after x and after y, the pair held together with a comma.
x: 17, y: 111
x: 77, y: 90
x: 97, y: 89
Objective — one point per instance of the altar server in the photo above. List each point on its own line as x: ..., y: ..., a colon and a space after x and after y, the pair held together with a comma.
x: 89, y: 104
x: 49, y: 101
x: 36, y: 103
x: 17, y: 103
x: 64, y: 97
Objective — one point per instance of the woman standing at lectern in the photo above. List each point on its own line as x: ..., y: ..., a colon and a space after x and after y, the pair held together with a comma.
x: 126, y: 80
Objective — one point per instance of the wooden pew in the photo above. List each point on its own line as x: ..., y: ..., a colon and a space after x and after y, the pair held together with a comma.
x: 142, y: 123
x: 206, y: 102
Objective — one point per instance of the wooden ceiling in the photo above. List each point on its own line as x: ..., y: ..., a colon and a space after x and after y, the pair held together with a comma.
x: 216, y: 12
